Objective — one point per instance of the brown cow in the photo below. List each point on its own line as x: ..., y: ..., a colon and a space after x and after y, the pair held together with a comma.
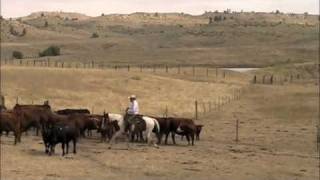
x: 164, y: 127
x: 33, y: 115
x: 198, y: 131
x: 97, y: 119
x: 181, y: 126
x: 72, y: 111
x: 82, y: 121
x: 11, y: 121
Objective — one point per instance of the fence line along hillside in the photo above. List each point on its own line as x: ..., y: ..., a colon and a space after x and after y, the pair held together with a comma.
x: 196, y: 70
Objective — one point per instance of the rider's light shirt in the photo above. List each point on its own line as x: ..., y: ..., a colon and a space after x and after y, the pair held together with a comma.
x: 133, y: 107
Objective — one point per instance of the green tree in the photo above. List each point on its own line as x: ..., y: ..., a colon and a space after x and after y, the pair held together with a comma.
x: 50, y: 51
x: 17, y: 54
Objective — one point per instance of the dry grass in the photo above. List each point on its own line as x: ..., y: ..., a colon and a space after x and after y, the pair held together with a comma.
x: 108, y: 90
x: 277, y: 141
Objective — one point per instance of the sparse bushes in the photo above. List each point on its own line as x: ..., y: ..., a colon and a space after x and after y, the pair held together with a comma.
x: 46, y: 24
x: 50, y: 51
x: 24, y: 32
x: 219, y: 18
x: 210, y: 20
x: 13, y: 31
x: 94, y: 35
x: 17, y: 54
x: 102, y: 14
x: 16, y: 33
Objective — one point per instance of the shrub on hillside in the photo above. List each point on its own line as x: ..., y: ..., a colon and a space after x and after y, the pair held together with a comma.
x: 24, y: 32
x: 13, y: 31
x: 46, y: 24
x: 50, y: 51
x: 210, y: 20
x: 17, y: 55
x: 95, y: 35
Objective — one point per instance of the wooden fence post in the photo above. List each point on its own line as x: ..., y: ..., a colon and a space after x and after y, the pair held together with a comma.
x: 62, y: 64
x: 179, y: 68
x: 193, y: 70
x: 167, y: 69
x: 254, y: 79
x: 204, y: 108
x: 271, y: 79
x: 237, y: 130
x: 128, y: 68
x: 196, y: 109
x: 166, y: 113
x: 216, y: 72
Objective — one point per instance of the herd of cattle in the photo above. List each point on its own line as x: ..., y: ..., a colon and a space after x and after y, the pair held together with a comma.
x: 64, y: 126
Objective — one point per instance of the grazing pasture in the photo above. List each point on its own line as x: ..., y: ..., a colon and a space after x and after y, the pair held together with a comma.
x: 277, y: 128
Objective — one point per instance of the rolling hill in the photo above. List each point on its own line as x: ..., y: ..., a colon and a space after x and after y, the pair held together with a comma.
x: 228, y: 39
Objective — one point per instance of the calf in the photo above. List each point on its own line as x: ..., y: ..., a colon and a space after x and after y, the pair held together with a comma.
x: 60, y: 133
x: 198, y: 131
x: 10, y: 121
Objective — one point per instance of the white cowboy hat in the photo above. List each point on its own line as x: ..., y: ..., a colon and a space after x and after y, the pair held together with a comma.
x: 132, y: 97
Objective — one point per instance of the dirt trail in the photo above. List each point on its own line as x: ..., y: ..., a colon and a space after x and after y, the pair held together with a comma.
x: 273, y: 145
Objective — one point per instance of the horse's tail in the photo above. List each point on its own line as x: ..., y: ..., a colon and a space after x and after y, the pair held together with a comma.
x: 157, y: 125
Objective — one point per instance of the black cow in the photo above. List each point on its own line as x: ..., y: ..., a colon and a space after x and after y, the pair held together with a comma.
x: 60, y: 133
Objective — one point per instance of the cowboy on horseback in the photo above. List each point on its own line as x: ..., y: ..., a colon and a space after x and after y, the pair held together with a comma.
x: 133, y: 108
x: 132, y: 112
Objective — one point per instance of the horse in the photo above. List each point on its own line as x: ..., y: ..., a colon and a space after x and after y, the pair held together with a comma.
x: 124, y: 126
x: 150, y: 125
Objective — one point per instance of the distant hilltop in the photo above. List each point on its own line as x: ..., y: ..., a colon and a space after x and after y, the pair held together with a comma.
x: 81, y: 16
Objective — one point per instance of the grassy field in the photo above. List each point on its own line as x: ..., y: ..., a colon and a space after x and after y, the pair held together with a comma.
x: 108, y: 90
x: 277, y: 129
